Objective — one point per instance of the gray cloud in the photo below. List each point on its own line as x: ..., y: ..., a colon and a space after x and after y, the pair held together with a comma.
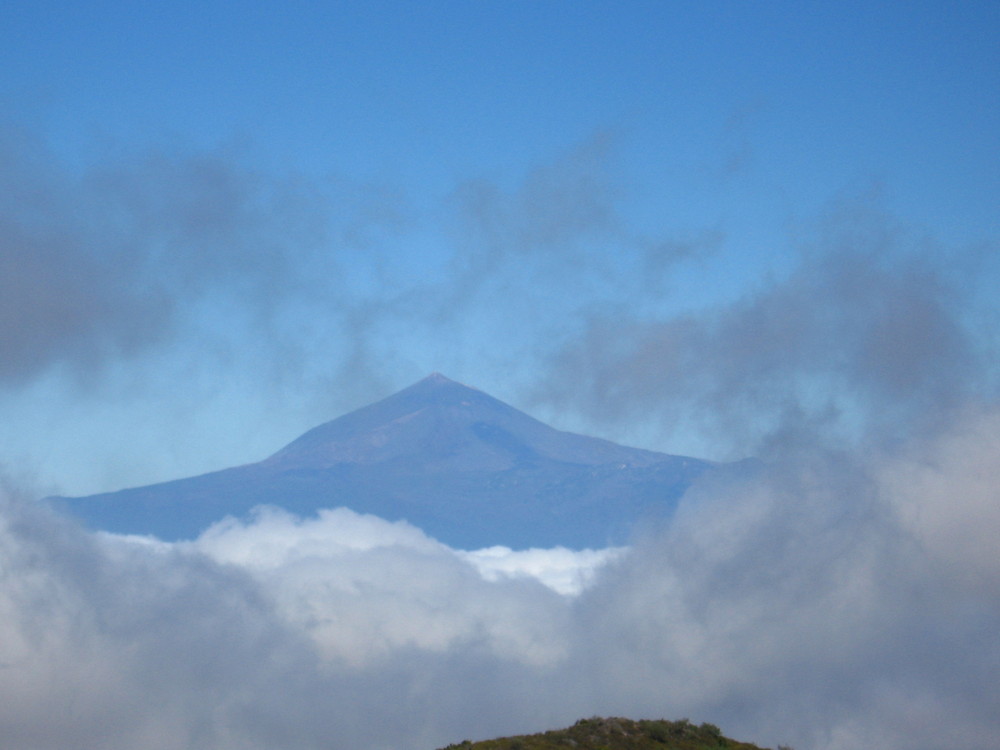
x: 108, y: 262
x: 63, y: 296
x: 865, y: 337
x: 109, y: 648
x: 804, y: 609
x: 821, y: 602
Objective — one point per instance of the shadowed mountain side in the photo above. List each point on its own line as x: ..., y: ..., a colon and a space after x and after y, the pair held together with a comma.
x: 464, y: 467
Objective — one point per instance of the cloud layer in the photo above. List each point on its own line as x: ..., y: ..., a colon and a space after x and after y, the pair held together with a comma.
x: 825, y: 603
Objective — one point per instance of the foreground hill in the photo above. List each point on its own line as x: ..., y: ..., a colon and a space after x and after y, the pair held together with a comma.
x: 466, y: 468
x: 617, y: 734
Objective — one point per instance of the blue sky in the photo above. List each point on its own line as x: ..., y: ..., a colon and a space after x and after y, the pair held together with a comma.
x: 263, y: 217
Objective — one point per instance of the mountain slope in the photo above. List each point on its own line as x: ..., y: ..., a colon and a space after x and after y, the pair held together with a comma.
x: 468, y: 469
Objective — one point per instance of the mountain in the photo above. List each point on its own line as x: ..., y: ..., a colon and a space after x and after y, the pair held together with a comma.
x: 466, y: 468
x: 617, y: 734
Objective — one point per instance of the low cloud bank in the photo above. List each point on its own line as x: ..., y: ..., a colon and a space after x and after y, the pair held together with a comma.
x: 828, y: 602
x: 364, y: 588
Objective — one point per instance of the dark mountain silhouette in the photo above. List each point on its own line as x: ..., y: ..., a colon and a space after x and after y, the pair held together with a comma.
x: 464, y: 467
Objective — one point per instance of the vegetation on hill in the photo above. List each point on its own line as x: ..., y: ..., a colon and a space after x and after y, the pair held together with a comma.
x: 617, y: 734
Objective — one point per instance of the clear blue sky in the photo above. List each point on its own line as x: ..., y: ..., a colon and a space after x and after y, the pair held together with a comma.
x: 223, y: 223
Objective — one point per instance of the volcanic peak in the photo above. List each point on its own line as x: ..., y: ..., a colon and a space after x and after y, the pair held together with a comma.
x: 447, y: 426
x: 466, y: 468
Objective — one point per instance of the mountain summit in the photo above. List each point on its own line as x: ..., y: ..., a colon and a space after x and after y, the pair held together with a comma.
x: 468, y: 469
x: 438, y: 425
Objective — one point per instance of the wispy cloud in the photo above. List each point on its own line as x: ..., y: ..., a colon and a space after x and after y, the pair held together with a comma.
x: 143, y: 249
x: 65, y: 295
x: 868, y: 336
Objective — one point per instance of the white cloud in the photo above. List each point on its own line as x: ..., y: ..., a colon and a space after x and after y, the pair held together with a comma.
x: 364, y: 587
x: 563, y: 570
